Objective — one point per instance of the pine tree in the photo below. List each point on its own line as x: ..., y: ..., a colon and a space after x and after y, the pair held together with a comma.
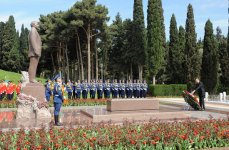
x: 156, y: 37
x: 24, y: 47
x: 139, y: 37
x: 192, y: 58
x: 10, y: 46
x: 175, y: 63
x: 209, y: 68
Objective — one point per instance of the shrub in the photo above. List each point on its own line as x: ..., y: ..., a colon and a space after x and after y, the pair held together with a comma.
x: 167, y: 90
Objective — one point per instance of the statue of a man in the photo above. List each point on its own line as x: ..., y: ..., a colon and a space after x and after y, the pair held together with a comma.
x: 34, y: 51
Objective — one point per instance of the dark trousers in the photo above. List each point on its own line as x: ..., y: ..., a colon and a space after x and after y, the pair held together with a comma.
x: 201, y: 101
x: 10, y: 96
x: 78, y: 94
x: 84, y: 94
x: 48, y: 97
x: 137, y: 93
x: 92, y: 94
x: 1, y: 97
x: 115, y: 94
x: 107, y: 94
x: 127, y: 93
x: 100, y: 94
x: 69, y: 95
x: 74, y: 95
x: 122, y: 93
x: 57, y: 107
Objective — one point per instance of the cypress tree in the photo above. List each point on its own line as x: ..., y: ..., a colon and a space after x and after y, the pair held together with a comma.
x: 156, y: 37
x: 175, y: 64
x: 24, y: 47
x: 1, y: 37
x: 10, y: 46
x: 182, y: 51
x: 224, y: 64
x: 192, y: 58
x: 139, y: 37
x: 209, y: 68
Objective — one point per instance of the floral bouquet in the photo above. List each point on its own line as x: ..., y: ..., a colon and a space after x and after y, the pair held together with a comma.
x: 192, y: 100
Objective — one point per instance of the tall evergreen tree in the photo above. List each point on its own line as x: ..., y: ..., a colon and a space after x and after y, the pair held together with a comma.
x: 1, y: 37
x: 209, y: 70
x: 10, y: 46
x: 224, y: 64
x: 139, y: 37
x: 175, y: 57
x: 24, y: 47
x: 182, y: 50
x: 192, y: 58
x: 156, y: 38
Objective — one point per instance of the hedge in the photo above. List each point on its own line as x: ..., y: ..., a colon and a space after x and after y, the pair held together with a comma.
x: 167, y: 90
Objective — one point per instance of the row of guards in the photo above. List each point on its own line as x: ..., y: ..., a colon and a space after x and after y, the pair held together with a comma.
x: 106, y: 89
x: 8, y: 88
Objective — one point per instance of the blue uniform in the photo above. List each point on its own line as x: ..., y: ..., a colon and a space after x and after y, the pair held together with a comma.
x: 69, y: 90
x: 122, y: 90
x: 107, y: 90
x: 48, y: 91
x: 137, y: 90
x: 115, y: 90
x: 58, y: 98
x: 84, y: 90
x: 100, y: 90
x: 78, y: 90
x: 130, y: 85
x: 92, y: 88
x: 143, y: 91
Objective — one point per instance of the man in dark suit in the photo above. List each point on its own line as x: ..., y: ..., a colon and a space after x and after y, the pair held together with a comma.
x: 201, y: 93
x: 34, y: 51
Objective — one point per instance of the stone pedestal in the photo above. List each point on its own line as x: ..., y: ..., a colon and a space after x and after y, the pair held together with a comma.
x: 31, y: 102
x: 132, y: 104
x: 36, y: 90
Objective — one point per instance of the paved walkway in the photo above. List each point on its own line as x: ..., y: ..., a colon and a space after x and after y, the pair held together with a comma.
x: 209, y: 105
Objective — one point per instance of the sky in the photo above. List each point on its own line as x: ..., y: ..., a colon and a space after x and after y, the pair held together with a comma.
x: 25, y: 11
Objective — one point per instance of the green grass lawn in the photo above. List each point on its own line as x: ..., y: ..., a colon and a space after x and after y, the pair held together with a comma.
x: 12, y: 76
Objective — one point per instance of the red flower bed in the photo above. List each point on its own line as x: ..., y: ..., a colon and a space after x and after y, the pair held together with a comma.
x: 153, y: 135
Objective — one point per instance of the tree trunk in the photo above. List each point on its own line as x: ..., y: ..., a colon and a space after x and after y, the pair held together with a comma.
x: 89, y: 53
x: 53, y: 64
x: 131, y: 72
x: 140, y: 68
x: 67, y: 62
x: 78, y: 58
x: 154, y: 80
x: 81, y: 58
x: 96, y: 64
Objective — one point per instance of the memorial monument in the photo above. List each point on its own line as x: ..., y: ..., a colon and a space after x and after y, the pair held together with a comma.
x: 31, y: 102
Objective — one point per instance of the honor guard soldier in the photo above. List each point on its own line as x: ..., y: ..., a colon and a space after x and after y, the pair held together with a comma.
x: 18, y: 88
x: 85, y: 89
x: 127, y: 89
x: 115, y: 89
x: 58, y: 100
x: 48, y: 90
x: 122, y: 89
x: 92, y: 89
x: 134, y: 88
x: 69, y: 89
x: 107, y: 89
x: 137, y: 88
x: 144, y: 88
x: 74, y: 90
x: 100, y: 89
x: 78, y: 90
x: 130, y: 85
